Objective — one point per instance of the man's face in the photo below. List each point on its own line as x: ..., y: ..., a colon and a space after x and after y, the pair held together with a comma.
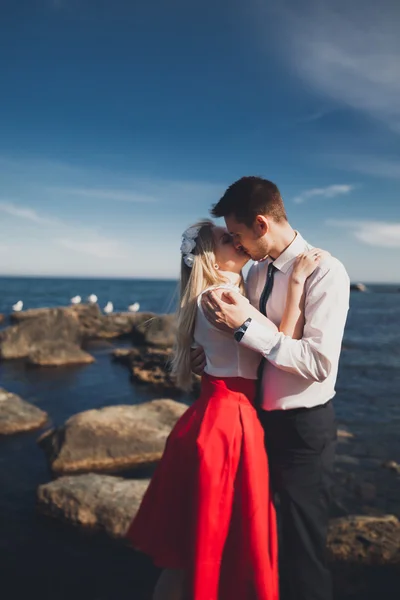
x: 254, y: 240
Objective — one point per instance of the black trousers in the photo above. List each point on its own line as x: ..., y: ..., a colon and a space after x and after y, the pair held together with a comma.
x: 301, y: 447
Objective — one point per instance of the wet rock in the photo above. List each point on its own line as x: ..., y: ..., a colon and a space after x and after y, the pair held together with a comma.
x: 358, y: 287
x: 392, y: 465
x: 343, y: 434
x: 92, y: 323
x: 56, y: 354
x: 51, y: 325
x: 92, y: 501
x: 151, y: 366
x: 366, y: 539
x: 115, y: 438
x: 157, y: 331
x: 16, y: 415
x: 95, y: 325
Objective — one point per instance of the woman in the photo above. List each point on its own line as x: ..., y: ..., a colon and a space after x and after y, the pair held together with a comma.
x: 207, y: 517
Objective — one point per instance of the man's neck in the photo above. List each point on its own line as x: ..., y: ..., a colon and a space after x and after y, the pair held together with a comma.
x: 283, y: 237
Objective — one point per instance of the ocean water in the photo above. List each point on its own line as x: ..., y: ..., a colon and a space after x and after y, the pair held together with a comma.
x: 43, y: 559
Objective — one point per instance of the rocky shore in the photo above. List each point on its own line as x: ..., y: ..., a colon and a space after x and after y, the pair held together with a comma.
x: 86, y: 451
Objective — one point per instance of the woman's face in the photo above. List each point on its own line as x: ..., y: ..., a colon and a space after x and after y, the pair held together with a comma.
x: 228, y: 258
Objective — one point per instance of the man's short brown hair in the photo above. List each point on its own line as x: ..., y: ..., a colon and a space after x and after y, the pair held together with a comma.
x: 249, y: 197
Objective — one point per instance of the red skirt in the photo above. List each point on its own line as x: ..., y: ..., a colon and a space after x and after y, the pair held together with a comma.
x: 208, y: 508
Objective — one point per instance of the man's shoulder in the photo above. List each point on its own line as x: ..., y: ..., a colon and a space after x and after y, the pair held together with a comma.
x: 330, y: 266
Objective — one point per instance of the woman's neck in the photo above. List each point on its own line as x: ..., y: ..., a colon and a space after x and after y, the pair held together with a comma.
x: 233, y: 278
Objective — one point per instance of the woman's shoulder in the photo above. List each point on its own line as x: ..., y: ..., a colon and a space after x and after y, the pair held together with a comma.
x: 220, y: 286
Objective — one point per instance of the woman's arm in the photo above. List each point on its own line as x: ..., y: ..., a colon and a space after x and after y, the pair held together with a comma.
x: 292, y: 323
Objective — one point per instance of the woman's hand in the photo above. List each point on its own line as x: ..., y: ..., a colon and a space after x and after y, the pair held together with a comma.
x: 306, y: 263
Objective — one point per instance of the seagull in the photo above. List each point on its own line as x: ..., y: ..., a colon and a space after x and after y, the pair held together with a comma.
x: 92, y: 299
x: 109, y: 307
x: 18, y: 306
x: 134, y: 307
x: 76, y: 300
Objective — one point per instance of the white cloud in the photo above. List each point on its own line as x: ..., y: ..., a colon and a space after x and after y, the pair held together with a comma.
x: 28, y: 214
x: 374, y: 233
x: 327, y: 192
x: 77, y: 238
x: 140, y: 237
x: 368, y: 165
x: 348, y: 51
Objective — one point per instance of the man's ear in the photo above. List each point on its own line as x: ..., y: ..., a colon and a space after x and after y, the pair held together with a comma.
x: 261, y: 225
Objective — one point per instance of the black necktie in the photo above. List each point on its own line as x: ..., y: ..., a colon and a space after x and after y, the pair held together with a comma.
x: 267, y: 288
x: 263, y: 309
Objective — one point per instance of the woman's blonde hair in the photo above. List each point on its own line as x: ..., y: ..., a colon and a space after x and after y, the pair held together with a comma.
x: 194, y: 280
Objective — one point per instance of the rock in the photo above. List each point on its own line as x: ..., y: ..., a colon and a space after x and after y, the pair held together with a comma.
x: 358, y: 287
x: 54, y: 336
x: 95, y: 325
x: 1, y: 318
x: 157, y: 331
x: 365, y: 539
x: 51, y: 325
x: 115, y: 438
x: 93, y: 501
x: 92, y: 323
x: 55, y: 354
x: 16, y: 415
x: 150, y: 366
x: 392, y: 466
x: 343, y: 434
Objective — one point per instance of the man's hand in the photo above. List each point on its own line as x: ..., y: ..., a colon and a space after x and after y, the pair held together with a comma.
x: 227, y: 310
x: 197, y: 360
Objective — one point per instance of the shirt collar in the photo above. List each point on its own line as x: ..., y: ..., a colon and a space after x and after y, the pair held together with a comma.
x: 284, y: 260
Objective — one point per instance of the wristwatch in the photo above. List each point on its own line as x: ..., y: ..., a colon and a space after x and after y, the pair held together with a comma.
x: 240, y: 331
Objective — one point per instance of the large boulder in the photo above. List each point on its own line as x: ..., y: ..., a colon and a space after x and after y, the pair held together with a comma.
x: 52, y: 325
x: 95, y: 325
x: 92, y: 501
x: 157, y: 331
x: 56, y: 354
x: 115, y: 438
x: 16, y: 415
x: 92, y: 323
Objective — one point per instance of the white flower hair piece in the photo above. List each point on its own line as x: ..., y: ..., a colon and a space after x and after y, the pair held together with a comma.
x: 188, y: 244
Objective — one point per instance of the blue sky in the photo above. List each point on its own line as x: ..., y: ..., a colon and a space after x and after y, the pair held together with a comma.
x: 122, y: 122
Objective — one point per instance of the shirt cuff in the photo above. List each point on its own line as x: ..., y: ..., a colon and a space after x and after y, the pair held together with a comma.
x: 259, y: 338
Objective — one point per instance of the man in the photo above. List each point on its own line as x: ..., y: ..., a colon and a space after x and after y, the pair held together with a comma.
x: 297, y: 377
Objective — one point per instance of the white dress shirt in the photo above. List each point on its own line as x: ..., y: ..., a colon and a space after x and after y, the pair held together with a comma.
x: 224, y: 356
x: 299, y: 373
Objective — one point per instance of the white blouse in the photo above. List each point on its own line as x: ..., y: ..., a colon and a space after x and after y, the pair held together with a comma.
x: 225, y: 357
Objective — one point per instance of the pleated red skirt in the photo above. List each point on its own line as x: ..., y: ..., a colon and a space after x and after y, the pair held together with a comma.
x: 208, y: 508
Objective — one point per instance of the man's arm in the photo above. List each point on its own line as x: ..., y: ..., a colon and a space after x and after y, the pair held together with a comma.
x: 326, y: 308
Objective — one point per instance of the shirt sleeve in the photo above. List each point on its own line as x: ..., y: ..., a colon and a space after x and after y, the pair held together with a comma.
x: 326, y: 308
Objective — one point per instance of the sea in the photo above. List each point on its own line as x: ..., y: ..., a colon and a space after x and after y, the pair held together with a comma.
x: 44, y: 559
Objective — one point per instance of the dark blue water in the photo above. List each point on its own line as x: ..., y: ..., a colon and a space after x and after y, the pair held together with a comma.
x: 47, y: 560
